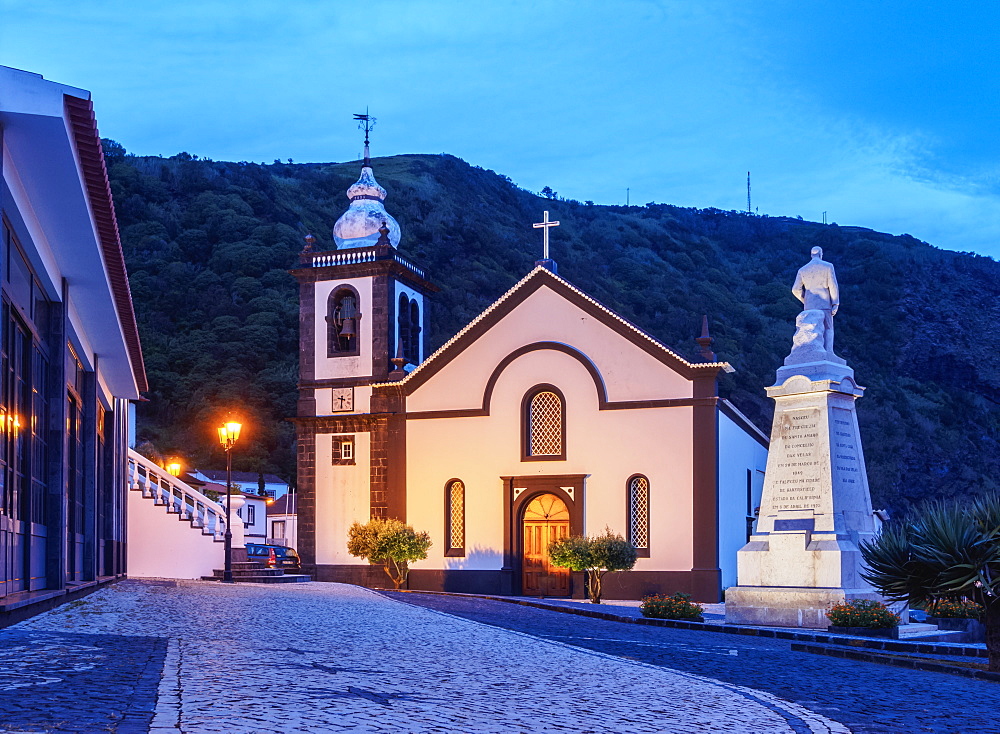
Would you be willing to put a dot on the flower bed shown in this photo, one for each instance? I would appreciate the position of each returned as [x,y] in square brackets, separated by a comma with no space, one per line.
[955,609]
[678,606]
[864,614]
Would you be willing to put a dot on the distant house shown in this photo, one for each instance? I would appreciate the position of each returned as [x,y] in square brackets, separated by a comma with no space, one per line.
[248,481]
[282,521]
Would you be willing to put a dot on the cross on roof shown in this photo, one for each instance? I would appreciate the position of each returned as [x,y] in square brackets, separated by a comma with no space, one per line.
[545,224]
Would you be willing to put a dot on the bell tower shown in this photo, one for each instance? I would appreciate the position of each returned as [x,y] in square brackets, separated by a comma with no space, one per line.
[363,309]
[362,322]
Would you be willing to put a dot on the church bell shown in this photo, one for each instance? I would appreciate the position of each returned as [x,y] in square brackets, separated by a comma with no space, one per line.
[349,330]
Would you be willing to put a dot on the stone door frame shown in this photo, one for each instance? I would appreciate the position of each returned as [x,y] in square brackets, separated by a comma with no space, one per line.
[518,492]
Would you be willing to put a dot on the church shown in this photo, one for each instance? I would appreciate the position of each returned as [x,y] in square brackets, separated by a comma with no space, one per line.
[548,415]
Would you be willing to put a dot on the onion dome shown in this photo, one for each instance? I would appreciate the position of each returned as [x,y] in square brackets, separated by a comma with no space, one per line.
[359,225]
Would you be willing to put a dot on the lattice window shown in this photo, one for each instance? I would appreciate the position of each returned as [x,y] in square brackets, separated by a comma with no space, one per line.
[545,425]
[638,511]
[456,514]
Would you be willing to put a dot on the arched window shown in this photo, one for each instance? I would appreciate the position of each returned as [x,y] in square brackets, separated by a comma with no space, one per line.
[544,424]
[413,351]
[343,322]
[454,507]
[638,513]
[403,325]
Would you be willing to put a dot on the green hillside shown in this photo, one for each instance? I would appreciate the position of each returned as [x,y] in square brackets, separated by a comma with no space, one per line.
[208,245]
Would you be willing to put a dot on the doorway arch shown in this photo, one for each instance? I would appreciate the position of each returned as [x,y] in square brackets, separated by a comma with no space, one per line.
[545,518]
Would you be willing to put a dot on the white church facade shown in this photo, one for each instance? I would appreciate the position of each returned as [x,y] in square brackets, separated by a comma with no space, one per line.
[548,415]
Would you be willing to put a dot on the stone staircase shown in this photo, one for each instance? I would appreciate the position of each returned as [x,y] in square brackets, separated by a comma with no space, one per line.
[173,530]
[257,572]
[176,497]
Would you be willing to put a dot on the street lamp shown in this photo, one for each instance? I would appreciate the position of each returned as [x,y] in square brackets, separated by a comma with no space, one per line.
[229,434]
[174,468]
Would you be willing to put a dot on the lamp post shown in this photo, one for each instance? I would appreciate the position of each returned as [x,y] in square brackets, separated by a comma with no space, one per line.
[229,434]
[174,468]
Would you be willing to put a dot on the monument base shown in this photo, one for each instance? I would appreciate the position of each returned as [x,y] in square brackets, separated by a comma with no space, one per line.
[788,606]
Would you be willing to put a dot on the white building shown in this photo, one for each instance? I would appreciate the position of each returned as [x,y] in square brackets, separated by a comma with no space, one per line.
[69,352]
[547,415]
[283,521]
[274,486]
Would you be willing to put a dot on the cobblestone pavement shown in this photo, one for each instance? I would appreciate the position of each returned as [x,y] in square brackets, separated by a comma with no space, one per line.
[866,697]
[334,658]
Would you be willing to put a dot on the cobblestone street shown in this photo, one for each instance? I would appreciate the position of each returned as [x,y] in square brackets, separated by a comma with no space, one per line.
[199,657]
[866,697]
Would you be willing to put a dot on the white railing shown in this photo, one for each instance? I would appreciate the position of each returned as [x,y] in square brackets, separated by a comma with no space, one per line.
[359,255]
[179,498]
[344,257]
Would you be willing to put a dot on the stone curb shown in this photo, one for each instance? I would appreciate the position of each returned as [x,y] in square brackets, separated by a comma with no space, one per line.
[870,643]
[872,657]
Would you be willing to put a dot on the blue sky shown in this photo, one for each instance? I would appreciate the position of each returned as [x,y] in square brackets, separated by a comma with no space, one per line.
[883,115]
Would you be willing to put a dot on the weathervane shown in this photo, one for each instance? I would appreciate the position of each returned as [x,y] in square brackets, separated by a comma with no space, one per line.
[365,122]
[545,224]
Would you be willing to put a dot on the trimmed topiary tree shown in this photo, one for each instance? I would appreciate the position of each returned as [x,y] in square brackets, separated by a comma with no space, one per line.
[390,542]
[595,556]
[946,550]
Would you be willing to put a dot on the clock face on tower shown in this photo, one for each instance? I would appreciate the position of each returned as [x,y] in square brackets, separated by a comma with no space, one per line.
[342,399]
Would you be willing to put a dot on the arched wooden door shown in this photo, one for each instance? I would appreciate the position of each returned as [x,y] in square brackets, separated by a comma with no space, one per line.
[546,518]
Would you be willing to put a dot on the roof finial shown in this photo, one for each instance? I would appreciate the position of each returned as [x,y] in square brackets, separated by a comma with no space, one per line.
[366,122]
[398,363]
[705,342]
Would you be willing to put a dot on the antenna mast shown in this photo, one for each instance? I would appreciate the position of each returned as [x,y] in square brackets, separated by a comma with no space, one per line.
[749,210]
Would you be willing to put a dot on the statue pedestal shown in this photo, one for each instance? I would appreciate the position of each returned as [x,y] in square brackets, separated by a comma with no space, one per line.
[815,508]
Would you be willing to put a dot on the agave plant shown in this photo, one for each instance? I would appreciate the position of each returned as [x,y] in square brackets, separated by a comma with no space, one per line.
[943,550]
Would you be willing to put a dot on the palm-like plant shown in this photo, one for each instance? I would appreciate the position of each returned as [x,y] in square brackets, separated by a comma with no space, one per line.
[944,550]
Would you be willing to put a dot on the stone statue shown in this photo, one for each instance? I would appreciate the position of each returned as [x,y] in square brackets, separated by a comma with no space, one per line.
[816,287]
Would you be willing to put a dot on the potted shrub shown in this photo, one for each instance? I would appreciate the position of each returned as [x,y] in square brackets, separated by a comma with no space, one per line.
[678,606]
[962,615]
[863,617]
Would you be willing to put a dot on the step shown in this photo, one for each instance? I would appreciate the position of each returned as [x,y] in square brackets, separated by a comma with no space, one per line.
[919,630]
[297,578]
[244,572]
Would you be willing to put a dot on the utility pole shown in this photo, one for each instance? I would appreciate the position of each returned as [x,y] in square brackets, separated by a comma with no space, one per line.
[749,210]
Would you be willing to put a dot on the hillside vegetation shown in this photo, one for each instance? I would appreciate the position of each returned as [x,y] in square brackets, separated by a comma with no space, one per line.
[208,245]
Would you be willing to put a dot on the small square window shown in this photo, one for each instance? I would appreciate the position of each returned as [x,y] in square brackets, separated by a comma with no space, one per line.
[343,450]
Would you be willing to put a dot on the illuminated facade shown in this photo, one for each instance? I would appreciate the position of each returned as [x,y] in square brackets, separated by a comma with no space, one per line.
[548,415]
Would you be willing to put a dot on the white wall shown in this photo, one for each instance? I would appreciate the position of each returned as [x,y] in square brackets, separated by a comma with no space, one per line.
[162,546]
[343,495]
[739,453]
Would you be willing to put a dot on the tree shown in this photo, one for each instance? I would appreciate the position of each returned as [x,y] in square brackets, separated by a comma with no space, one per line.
[390,542]
[945,550]
[595,556]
